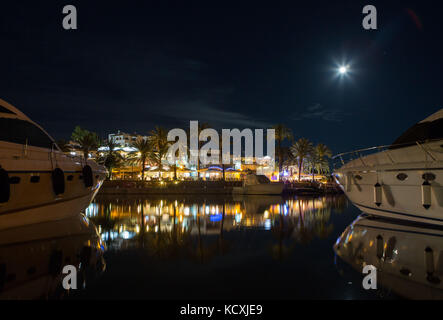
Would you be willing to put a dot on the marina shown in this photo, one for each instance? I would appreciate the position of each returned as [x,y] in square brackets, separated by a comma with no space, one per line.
[217,160]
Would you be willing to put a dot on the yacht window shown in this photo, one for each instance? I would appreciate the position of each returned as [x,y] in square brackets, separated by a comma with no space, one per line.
[431,130]
[20,131]
[14,180]
[428,176]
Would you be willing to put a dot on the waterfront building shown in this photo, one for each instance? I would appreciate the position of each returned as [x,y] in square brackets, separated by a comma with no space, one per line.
[123,139]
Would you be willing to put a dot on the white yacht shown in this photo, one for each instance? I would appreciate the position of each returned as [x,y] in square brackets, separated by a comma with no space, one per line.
[38,182]
[403,180]
[258,184]
[408,256]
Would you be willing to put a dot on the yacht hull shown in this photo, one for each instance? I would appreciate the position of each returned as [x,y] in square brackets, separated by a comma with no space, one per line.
[31,186]
[401,184]
[396,200]
[44,212]
[420,215]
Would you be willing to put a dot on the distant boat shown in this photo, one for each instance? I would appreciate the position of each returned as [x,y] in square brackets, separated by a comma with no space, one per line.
[258,184]
[403,180]
[407,255]
[38,182]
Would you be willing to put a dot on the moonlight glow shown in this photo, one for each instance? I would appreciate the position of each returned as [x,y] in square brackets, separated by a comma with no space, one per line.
[343,70]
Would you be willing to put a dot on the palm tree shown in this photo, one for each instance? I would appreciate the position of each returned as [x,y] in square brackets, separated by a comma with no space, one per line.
[174,167]
[319,159]
[301,150]
[88,140]
[281,133]
[323,151]
[112,158]
[159,142]
[144,148]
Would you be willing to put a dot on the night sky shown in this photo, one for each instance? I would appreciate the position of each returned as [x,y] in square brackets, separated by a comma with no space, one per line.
[132,65]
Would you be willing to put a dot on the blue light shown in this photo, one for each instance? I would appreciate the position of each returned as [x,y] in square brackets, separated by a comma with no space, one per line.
[216,217]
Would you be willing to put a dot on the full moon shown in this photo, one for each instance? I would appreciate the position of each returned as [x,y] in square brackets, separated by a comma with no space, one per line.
[343,70]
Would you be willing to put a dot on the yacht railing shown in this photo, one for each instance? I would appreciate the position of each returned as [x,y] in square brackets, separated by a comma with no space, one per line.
[343,158]
[53,154]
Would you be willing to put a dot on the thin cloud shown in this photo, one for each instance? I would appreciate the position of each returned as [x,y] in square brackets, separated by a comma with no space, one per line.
[319,112]
[215,117]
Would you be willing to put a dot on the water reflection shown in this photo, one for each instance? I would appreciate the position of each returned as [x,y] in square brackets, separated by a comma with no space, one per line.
[408,257]
[196,227]
[32,257]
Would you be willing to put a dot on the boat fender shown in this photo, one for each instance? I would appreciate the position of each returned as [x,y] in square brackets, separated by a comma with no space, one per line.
[5,188]
[58,181]
[380,246]
[429,260]
[430,269]
[426,195]
[377,194]
[88,178]
[390,247]
[85,256]
[2,276]
[55,263]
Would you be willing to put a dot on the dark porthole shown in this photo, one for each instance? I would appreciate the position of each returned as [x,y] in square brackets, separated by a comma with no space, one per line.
[70,177]
[402,176]
[35,179]
[428,176]
[14,180]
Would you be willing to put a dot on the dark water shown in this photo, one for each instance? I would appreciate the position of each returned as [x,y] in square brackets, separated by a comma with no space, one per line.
[223,247]
[215,247]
